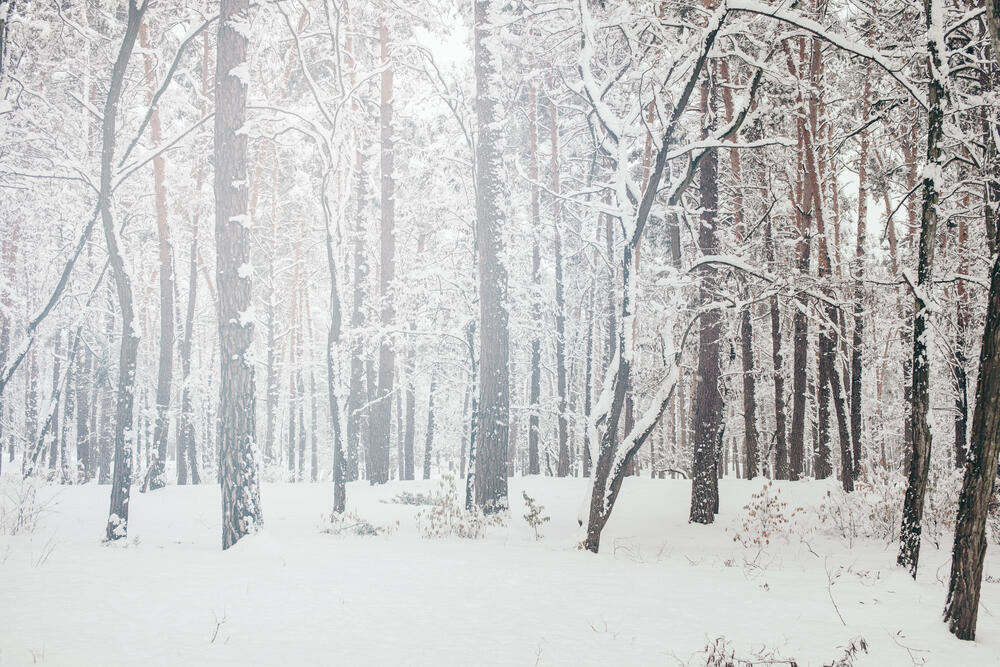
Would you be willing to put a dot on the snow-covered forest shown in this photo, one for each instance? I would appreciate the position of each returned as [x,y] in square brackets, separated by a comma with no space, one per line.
[529,332]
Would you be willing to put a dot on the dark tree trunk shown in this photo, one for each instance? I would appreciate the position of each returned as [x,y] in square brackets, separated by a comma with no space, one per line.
[494,385]
[961,344]
[857,342]
[588,385]
[777,361]
[708,404]
[962,606]
[916,488]
[241,509]
[121,483]
[562,468]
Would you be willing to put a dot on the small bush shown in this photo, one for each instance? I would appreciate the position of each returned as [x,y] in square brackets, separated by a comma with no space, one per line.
[20,507]
[447,517]
[873,509]
[765,518]
[534,515]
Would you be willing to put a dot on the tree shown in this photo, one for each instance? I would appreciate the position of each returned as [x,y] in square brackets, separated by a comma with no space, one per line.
[238,474]
[382,410]
[494,382]
[121,483]
[916,488]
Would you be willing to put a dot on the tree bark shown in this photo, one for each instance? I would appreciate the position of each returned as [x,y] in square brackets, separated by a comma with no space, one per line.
[777,361]
[382,410]
[429,435]
[562,467]
[916,488]
[494,385]
[155,476]
[962,606]
[238,474]
[121,482]
[535,383]
[708,404]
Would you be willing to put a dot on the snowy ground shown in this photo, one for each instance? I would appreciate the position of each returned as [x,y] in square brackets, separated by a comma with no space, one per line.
[657,594]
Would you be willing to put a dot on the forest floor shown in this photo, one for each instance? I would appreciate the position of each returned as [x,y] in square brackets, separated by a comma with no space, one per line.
[660,592]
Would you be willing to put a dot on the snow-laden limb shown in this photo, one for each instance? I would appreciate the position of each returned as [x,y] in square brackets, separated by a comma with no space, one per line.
[827,35]
[742,265]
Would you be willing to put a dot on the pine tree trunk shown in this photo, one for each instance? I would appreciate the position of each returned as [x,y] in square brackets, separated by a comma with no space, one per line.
[409,426]
[916,488]
[84,437]
[187,452]
[238,473]
[494,386]
[962,606]
[857,341]
[121,482]
[777,361]
[382,410]
[562,468]
[535,383]
[155,477]
[708,406]
[429,435]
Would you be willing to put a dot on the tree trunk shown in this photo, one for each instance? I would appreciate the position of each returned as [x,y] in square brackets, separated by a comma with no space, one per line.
[155,476]
[187,450]
[535,384]
[121,483]
[916,488]
[429,435]
[708,404]
[382,410]
[409,426]
[961,344]
[857,342]
[962,606]
[562,468]
[494,385]
[777,361]
[241,509]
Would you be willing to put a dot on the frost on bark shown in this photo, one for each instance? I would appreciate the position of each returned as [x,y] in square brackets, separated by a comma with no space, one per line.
[916,488]
[238,474]
[492,430]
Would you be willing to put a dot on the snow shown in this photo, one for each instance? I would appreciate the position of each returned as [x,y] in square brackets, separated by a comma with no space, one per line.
[241,72]
[659,591]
